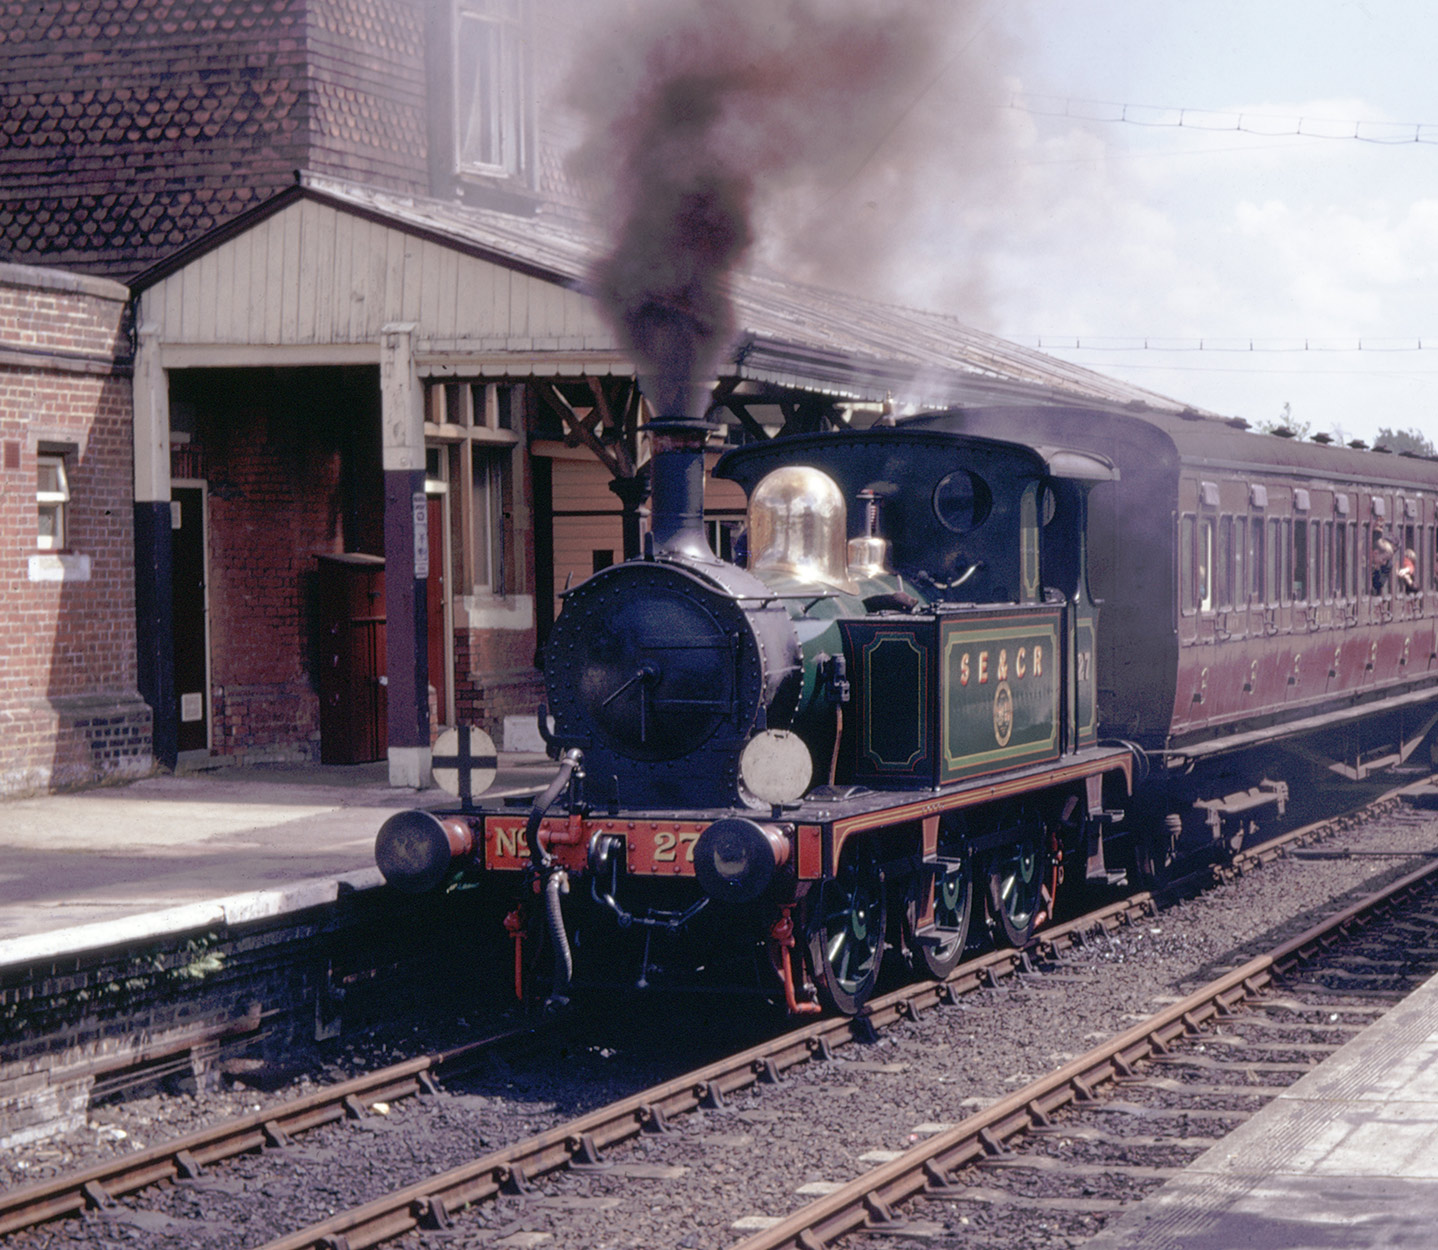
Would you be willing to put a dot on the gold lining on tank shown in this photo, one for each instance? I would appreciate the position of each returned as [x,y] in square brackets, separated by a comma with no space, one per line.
[798,525]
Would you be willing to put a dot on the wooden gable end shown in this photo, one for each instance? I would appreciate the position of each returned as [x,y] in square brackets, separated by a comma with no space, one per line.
[314,275]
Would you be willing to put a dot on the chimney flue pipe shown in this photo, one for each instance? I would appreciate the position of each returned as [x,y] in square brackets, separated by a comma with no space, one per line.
[676,520]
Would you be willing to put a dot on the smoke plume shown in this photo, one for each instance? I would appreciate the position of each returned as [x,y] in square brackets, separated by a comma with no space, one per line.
[800,134]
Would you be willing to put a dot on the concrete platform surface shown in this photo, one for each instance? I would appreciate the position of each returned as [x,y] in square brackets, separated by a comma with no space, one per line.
[1345,1159]
[160,854]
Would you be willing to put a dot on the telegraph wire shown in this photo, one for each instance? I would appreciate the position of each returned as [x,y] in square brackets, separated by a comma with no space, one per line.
[1127,366]
[1253,346]
[1264,125]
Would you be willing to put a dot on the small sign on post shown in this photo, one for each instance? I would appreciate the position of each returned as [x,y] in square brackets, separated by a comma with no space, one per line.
[421,534]
[464,763]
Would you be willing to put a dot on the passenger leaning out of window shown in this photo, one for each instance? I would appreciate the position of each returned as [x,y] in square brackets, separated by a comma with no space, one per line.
[1381,563]
[1407,575]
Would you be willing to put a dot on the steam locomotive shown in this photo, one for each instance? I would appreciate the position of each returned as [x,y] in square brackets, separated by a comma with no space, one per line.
[975,660]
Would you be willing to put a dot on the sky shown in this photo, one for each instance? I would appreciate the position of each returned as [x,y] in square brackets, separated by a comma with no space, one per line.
[1116,233]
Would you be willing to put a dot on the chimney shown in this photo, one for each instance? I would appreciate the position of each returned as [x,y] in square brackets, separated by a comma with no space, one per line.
[676,486]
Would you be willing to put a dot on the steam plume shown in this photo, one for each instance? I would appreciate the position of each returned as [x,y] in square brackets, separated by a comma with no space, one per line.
[804,127]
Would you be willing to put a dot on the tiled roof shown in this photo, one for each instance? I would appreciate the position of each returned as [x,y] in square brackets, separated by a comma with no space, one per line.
[115,232]
[129,129]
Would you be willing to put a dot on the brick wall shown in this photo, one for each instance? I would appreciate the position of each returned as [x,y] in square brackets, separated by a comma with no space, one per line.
[495,677]
[69,710]
[287,457]
[274,515]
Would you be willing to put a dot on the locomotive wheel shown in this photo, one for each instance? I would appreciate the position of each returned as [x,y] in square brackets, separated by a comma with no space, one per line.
[1016,882]
[846,935]
[953,893]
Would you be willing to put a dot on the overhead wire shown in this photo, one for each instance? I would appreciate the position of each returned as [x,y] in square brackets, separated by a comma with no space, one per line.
[1263,125]
[1155,343]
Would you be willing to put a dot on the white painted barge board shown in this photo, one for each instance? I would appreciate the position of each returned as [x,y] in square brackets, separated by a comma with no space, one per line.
[314,274]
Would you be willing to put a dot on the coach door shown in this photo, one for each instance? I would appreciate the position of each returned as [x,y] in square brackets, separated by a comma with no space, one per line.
[190,615]
[1256,566]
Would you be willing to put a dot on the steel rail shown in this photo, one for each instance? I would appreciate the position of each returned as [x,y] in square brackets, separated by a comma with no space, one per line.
[867,1202]
[183,1157]
[429,1202]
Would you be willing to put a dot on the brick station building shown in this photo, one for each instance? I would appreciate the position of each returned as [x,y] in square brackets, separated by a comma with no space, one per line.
[335,446]
[70,711]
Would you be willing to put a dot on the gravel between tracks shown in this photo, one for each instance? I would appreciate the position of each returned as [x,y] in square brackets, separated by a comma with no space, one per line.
[750,1158]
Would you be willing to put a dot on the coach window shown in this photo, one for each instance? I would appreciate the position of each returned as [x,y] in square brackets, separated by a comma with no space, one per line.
[1205,564]
[1273,560]
[1256,560]
[1298,565]
[1225,585]
[1240,561]
[52,496]
[1330,564]
[1186,596]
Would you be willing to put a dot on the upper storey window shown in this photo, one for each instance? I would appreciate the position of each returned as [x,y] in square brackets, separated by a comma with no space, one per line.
[493,94]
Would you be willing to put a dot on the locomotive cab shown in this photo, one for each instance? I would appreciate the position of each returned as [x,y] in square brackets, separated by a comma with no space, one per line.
[976,652]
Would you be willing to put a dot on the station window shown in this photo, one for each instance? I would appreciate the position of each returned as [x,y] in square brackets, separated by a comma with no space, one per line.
[491,473]
[493,105]
[52,497]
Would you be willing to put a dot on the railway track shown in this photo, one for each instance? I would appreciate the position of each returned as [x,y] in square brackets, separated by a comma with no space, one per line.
[960,1164]
[578,1144]
[184,1158]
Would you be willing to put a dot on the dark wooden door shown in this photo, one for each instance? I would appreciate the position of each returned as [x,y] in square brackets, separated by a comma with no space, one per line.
[353,698]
